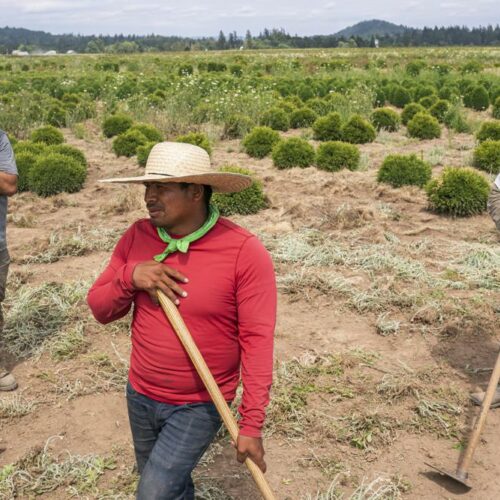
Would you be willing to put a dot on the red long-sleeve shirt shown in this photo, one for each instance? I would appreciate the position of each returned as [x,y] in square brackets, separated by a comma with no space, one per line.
[230,311]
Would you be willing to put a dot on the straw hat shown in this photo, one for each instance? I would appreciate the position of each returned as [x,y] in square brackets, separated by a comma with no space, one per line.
[181,162]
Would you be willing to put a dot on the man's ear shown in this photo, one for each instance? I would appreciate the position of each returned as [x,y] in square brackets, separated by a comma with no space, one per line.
[197,191]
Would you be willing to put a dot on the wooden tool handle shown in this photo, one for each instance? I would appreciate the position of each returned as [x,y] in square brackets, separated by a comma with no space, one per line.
[464,463]
[187,341]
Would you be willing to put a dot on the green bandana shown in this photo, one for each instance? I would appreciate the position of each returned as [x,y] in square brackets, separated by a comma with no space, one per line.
[182,244]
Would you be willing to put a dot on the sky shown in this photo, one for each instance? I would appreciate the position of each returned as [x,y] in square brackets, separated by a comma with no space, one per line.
[206,17]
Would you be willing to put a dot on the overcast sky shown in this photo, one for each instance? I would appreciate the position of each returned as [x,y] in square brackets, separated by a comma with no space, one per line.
[202,18]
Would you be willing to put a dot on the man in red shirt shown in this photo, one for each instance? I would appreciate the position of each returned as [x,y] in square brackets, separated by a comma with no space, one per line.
[222,279]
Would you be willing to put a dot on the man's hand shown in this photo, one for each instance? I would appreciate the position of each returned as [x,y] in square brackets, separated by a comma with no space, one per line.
[152,276]
[8,184]
[250,447]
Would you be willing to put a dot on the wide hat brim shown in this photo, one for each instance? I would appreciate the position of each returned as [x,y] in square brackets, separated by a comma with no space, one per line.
[221,182]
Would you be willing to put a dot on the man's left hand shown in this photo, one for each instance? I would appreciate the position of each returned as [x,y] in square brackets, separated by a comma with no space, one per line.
[250,447]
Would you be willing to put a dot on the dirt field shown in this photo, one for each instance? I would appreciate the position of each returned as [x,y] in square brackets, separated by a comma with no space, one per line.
[388,316]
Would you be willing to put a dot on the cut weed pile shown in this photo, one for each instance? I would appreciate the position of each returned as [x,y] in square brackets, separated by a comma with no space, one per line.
[36,314]
[40,472]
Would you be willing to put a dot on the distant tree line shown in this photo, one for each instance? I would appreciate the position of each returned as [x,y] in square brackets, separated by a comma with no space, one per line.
[32,41]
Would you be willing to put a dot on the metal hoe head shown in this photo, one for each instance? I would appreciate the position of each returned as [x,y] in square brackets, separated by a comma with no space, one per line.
[461,477]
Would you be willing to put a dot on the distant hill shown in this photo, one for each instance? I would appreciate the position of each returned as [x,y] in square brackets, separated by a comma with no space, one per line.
[365,29]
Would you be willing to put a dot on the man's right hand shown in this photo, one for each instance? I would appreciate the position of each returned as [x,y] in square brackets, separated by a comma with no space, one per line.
[152,276]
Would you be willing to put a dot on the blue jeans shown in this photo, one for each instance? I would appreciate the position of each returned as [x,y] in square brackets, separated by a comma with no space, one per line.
[169,440]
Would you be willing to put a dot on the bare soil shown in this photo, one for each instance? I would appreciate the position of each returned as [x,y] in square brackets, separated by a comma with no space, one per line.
[308,322]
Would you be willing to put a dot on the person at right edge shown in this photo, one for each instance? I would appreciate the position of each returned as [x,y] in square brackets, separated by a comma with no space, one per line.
[494,211]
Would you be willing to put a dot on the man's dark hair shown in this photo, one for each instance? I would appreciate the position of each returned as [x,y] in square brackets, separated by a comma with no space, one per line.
[207,192]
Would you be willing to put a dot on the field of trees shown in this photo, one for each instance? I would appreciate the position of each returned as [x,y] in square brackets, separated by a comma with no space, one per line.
[372,169]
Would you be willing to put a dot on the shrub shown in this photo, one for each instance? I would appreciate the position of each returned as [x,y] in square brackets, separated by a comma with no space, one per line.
[489,130]
[116,125]
[48,135]
[198,139]
[336,155]
[495,111]
[142,153]
[56,116]
[399,96]
[401,170]
[424,91]
[126,144]
[35,148]
[428,100]
[358,131]
[487,156]
[260,141]
[275,118]
[25,162]
[151,133]
[424,126]
[459,192]
[455,119]
[477,98]
[321,106]
[410,110]
[293,152]
[328,128]
[385,119]
[439,109]
[55,173]
[413,68]
[303,117]
[185,69]
[287,107]
[67,150]
[449,92]
[237,125]
[248,201]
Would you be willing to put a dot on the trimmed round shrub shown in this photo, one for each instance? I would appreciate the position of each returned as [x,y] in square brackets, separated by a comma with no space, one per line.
[237,126]
[116,125]
[275,118]
[287,107]
[422,91]
[385,119]
[25,162]
[410,110]
[328,128]
[358,131]
[303,117]
[449,92]
[293,152]
[321,106]
[151,133]
[404,170]
[198,139]
[489,130]
[35,148]
[336,155]
[439,109]
[48,135]
[399,96]
[259,141]
[248,201]
[126,144]
[67,150]
[428,101]
[55,173]
[143,153]
[495,110]
[487,156]
[424,126]
[477,98]
[459,192]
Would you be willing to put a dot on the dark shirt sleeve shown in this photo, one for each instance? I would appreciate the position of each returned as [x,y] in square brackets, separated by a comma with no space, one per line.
[7,158]
[256,301]
[111,296]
